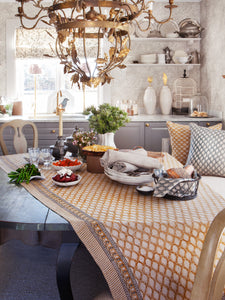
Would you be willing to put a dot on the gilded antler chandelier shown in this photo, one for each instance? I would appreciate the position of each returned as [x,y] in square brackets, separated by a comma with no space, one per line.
[79,21]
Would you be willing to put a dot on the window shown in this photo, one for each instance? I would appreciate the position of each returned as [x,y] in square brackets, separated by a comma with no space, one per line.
[30,47]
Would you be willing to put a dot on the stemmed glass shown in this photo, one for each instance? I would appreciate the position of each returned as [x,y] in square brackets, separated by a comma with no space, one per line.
[46,155]
[34,155]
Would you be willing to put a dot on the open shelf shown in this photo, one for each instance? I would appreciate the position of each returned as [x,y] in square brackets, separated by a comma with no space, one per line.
[165,39]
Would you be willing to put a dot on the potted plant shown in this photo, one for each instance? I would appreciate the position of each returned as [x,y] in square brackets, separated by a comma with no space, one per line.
[106,120]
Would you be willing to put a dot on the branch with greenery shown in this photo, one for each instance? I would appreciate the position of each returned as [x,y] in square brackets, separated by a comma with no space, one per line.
[106,118]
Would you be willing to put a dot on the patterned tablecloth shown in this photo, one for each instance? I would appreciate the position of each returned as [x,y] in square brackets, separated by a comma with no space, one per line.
[146,247]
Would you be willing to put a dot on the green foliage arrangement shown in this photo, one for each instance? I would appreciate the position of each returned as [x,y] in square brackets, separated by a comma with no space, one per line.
[106,118]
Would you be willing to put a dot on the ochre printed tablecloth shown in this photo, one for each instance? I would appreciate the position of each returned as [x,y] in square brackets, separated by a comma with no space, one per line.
[147,248]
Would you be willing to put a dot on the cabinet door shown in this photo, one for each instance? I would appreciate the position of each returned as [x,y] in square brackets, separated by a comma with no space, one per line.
[130,136]
[49,131]
[154,133]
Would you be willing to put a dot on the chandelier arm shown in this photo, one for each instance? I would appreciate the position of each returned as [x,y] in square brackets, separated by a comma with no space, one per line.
[30,28]
[21,12]
[141,29]
[161,22]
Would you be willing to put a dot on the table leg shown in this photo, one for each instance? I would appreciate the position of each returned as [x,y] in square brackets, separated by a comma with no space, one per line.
[64,260]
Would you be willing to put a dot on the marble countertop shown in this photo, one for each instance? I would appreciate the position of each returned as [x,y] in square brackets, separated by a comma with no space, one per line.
[137,118]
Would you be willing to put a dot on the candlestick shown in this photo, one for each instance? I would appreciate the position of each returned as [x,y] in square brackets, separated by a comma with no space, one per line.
[60,111]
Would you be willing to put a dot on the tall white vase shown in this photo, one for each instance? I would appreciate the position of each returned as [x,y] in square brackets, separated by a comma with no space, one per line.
[106,139]
[165,100]
[149,100]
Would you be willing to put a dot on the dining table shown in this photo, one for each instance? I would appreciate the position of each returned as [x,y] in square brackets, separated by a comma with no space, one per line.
[146,247]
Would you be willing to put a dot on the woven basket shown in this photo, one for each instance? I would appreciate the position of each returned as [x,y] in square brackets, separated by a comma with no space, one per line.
[183,190]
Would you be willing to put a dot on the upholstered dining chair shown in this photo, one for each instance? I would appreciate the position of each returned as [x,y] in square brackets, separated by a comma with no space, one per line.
[19,139]
[209,282]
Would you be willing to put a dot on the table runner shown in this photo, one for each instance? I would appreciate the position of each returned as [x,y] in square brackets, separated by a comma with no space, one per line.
[147,248]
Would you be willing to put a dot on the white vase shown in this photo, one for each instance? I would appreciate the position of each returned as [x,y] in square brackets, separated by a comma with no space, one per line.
[150,100]
[165,100]
[106,139]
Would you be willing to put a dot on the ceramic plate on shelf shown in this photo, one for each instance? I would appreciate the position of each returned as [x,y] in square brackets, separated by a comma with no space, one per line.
[167,28]
[70,183]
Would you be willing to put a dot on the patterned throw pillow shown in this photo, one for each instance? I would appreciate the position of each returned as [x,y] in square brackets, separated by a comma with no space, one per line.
[207,151]
[180,139]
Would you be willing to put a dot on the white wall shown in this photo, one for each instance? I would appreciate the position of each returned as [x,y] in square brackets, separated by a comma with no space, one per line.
[213,53]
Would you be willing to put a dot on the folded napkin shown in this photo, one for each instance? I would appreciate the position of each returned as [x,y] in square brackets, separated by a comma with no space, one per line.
[126,161]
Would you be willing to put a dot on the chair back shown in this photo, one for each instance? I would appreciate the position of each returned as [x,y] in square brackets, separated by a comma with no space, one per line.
[19,140]
[209,281]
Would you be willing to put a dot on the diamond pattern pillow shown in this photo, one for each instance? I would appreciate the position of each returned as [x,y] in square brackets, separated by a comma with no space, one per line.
[180,139]
[207,151]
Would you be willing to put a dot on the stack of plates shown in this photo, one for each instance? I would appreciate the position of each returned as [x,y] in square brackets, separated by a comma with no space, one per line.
[125,178]
[148,59]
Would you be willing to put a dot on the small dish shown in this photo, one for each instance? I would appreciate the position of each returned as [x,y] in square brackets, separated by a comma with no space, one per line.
[37,177]
[71,183]
[145,189]
[72,168]
[177,54]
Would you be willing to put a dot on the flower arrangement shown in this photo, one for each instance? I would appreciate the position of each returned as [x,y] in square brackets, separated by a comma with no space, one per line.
[106,118]
[83,138]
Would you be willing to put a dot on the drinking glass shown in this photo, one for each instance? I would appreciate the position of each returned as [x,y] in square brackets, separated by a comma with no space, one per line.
[34,155]
[46,155]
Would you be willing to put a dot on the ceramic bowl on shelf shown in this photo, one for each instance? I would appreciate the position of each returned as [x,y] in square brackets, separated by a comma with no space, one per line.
[148,58]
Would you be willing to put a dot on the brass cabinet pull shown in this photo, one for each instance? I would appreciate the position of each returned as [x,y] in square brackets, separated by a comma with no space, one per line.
[207,124]
[53,131]
[147,124]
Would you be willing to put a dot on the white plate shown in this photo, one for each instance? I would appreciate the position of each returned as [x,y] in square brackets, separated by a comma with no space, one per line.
[37,177]
[67,183]
[169,27]
[127,179]
[72,168]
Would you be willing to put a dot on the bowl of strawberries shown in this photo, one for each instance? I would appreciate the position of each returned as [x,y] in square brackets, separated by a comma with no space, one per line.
[66,177]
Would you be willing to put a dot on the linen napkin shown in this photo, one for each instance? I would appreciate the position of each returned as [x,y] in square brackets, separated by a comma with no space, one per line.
[126,161]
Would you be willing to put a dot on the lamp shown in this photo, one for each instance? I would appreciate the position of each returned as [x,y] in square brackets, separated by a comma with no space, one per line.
[83,24]
[35,70]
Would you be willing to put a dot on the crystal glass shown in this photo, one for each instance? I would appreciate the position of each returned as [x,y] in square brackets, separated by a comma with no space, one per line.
[46,155]
[34,155]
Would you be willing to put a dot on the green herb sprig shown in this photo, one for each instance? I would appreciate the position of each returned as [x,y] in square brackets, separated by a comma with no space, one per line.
[23,174]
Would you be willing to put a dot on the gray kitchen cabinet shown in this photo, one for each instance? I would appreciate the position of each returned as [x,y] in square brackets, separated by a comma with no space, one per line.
[154,133]
[130,136]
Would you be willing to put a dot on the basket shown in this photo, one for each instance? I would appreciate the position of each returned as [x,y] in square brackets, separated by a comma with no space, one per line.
[184,189]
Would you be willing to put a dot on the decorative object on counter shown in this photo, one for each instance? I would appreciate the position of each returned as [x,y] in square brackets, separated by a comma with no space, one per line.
[35,70]
[17,108]
[150,98]
[184,89]
[106,119]
[60,112]
[80,26]
[199,107]
[165,97]
[189,28]
[168,57]
[170,27]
